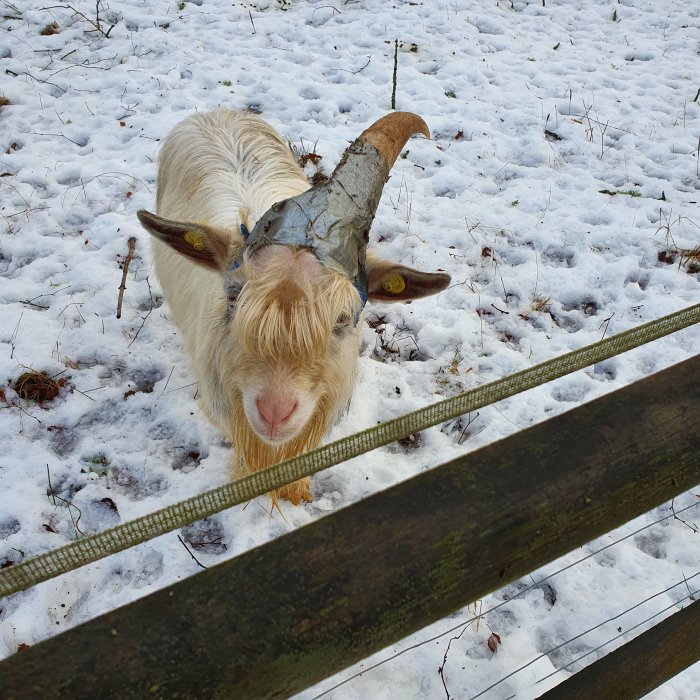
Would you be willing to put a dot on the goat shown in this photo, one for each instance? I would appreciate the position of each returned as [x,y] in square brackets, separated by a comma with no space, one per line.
[266,277]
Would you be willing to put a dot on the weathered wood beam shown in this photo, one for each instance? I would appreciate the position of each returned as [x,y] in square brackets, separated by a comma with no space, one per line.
[636,668]
[296,610]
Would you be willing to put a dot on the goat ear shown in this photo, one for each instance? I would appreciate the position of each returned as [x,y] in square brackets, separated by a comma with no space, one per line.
[202,244]
[389,281]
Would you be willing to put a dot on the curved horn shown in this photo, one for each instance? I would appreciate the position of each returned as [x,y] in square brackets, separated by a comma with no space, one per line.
[390,133]
[333,219]
[363,170]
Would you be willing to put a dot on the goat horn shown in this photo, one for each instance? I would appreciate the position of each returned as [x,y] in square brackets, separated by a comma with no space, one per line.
[365,165]
[390,133]
[334,219]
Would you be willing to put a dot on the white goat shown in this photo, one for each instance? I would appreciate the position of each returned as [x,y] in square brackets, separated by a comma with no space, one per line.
[266,278]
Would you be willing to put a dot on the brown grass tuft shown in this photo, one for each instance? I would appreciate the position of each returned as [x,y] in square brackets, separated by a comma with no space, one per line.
[38,386]
[690,257]
[50,29]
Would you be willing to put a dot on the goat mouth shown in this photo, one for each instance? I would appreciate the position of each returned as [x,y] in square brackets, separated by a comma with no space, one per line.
[275,437]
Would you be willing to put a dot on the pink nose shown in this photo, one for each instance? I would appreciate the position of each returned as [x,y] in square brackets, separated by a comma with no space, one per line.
[277,411]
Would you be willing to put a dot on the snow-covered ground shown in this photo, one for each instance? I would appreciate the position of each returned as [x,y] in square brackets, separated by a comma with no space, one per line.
[560,190]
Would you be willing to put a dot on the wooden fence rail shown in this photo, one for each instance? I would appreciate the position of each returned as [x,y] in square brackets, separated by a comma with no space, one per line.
[296,610]
[639,666]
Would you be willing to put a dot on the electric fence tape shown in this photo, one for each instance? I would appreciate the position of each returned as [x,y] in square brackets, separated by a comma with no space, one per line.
[84,551]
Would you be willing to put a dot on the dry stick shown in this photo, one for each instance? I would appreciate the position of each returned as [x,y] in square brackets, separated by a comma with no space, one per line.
[70,513]
[396,61]
[48,474]
[143,321]
[13,337]
[125,272]
[199,563]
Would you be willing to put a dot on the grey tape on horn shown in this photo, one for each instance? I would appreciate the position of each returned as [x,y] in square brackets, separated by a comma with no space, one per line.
[332,219]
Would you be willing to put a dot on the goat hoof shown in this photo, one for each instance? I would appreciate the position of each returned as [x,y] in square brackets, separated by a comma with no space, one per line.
[297,492]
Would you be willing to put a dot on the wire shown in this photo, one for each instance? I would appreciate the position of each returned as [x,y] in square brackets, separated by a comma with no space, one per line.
[622,634]
[583,634]
[502,603]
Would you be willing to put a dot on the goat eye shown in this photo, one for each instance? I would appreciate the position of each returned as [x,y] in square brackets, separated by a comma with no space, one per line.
[342,326]
[232,293]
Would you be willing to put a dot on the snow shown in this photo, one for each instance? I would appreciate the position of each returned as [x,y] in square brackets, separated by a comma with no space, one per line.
[542,262]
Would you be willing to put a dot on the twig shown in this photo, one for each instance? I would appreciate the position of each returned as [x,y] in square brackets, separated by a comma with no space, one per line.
[26,413]
[182,387]
[19,14]
[39,296]
[463,435]
[355,72]
[199,563]
[328,7]
[168,382]
[83,65]
[606,323]
[13,337]
[63,136]
[144,318]
[396,61]
[48,474]
[70,512]
[39,80]
[96,23]
[251,21]
[85,394]
[441,669]
[125,272]
[694,528]
[77,305]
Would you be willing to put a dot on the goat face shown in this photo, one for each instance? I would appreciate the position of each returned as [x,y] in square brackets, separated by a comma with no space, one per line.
[293,344]
[273,334]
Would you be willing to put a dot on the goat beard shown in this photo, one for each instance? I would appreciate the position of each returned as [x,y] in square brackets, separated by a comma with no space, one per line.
[253,454]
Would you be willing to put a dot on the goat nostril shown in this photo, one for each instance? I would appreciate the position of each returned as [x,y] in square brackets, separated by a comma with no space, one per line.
[276,412]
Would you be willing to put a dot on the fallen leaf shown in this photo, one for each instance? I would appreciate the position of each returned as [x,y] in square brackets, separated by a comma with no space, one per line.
[550,594]
[493,641]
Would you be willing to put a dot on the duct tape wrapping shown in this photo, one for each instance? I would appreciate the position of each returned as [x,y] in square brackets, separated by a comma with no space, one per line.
[332,219]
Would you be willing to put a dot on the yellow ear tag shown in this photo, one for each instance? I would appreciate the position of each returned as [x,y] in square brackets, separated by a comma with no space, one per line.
[394,284]
[195,239]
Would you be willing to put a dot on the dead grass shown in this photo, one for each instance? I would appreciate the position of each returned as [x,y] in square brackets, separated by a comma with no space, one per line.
[38,386]
[309,161]
[690,257]
[50,29]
